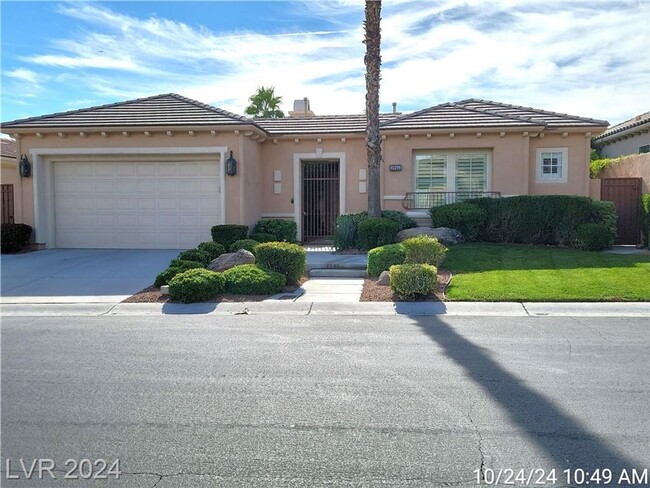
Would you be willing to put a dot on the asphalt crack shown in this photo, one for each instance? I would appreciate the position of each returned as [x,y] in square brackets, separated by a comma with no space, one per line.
[480,440]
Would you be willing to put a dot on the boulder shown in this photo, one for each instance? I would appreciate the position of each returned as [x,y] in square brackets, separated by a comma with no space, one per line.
[231,259]
[445,235]
[384,278]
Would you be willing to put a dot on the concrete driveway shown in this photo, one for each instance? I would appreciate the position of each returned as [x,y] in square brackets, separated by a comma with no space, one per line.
[79,275]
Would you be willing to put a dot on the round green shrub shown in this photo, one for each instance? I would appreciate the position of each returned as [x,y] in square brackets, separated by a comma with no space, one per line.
[14,236]
[465,217]
[248,244]
[595,237]
[263,237]
[228,233]
[176,266]
[196,285]
[382,258]
[214,249]
[346,234]
[424,250]
[411,280]
[283,230]
[283,257]
[251,279]
[400,218]
[195,255]
[376,231]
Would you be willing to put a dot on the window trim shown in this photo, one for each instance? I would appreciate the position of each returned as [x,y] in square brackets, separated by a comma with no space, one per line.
[565,164]
[451,156]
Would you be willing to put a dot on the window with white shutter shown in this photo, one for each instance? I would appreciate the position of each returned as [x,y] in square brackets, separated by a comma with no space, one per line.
[471,174]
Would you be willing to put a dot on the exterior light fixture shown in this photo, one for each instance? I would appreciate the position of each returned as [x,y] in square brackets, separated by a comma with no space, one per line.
[231,166]
[24,167]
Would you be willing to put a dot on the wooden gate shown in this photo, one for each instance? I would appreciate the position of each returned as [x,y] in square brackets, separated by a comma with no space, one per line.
[7,204]
[626,195]
[320,199]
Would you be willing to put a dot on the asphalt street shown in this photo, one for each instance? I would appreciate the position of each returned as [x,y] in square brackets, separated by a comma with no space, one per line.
[273,401]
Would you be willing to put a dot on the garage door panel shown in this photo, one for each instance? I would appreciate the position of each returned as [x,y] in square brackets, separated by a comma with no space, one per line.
[127,205]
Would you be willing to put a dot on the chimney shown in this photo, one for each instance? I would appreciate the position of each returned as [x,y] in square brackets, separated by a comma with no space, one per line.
[301,108]
[394,107]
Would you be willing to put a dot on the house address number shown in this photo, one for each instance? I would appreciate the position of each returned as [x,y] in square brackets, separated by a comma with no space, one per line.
[395,167]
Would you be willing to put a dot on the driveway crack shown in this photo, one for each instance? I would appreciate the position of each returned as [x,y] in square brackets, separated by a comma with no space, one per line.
[480,440]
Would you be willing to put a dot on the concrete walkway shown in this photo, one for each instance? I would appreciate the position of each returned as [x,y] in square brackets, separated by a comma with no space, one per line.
[340,290]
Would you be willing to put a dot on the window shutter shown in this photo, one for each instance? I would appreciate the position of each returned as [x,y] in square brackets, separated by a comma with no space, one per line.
[471,173]
[430,173]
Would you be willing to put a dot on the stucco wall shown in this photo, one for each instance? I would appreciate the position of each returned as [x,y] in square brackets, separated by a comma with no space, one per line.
[637,166]
[10,176]
[626,146]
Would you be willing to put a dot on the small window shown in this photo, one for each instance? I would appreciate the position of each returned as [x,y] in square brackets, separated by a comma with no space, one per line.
[644,149]
[551,165]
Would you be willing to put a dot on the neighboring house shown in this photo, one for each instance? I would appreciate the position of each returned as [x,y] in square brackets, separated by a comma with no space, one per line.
[10,183]
[629,137]
[153,172]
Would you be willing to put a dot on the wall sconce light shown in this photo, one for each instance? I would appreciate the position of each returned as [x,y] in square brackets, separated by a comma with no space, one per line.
[24,167]
[231,166]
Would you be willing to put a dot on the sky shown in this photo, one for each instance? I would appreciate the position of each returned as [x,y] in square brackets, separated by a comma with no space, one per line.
[583,57]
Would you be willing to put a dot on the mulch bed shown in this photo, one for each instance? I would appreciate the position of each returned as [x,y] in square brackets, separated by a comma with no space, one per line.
[372,292]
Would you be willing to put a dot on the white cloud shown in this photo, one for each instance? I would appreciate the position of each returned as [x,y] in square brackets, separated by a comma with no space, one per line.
[23,75]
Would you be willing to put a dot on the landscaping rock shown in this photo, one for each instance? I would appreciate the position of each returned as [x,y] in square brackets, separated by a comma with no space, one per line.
[231,259]
[445,235]
[384,279]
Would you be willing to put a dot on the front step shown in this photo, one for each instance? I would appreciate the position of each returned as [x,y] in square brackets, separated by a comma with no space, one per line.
[338,272]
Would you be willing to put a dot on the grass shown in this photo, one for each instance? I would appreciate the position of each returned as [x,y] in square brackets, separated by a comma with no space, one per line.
[511,272]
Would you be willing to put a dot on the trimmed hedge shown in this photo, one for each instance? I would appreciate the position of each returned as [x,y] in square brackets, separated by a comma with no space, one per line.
[400,218]
[645,218]
[283,230]
[347,227]
[411,280]
[195,255]
[283,257]
[382,258]
[177,266]
[196,285]
[214,249]
[228,233]
[595,237]
[376,231]
[424,250]
[466,218]
[14,236]
[251,279]
[262,237]
[248,244]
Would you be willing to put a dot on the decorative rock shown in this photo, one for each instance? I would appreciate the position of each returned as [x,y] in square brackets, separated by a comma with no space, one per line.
[231,259]
[384,278]
[164,290]
[445,235]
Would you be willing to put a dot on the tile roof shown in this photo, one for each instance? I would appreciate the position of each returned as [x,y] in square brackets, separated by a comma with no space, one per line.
[8,148]
[319,124]
[161,110]
[634,122]
[473,113]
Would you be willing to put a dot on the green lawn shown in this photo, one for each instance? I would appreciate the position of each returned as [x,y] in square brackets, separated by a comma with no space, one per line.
[512,272]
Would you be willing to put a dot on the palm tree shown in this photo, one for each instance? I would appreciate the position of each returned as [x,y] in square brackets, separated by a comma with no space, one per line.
[264,103]
[372,60]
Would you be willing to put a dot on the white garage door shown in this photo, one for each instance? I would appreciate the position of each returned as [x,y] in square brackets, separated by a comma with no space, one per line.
[151,205]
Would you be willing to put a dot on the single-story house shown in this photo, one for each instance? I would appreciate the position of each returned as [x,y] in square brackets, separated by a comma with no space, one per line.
[10,184]
[629,137]
[158,172]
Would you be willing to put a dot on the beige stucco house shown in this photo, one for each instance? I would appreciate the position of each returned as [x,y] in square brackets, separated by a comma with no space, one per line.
[153,172]
[629,137]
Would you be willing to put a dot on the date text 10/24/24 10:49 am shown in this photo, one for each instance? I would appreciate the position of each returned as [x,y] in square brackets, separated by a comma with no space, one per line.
[572,477]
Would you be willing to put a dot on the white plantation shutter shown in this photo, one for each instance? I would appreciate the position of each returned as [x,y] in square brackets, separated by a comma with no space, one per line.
[430,172]
[471,173]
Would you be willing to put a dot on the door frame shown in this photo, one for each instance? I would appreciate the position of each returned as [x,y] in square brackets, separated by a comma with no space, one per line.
[297,182]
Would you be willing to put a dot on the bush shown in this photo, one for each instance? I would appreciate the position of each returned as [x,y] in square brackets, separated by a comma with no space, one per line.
[424,250]
[248,244]
[346,234]
[195,255]
[14,236]
[262,237]
[645,217]
[177,266]
[382,258]
[595,237]
[229,233]
[283,230]
[284,258]
[251,279]
[376,231]
[195,285]
[410,280]
[400,218]
[214,249]
[466,218]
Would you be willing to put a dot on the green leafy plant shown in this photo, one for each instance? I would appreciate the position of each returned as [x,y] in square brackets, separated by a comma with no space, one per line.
[196,285]
[248,244]
[466,218]
[411,280]
[424,250]
[376,231]
[263,237]
[214,249]
[383,257]
[283,257]
[14,237]
[176,266]
[265,103]
[228,233]
[595,237]
[195,255]
[251,279]
[598,166]
[645,218]
[345,236]
[283,230]
[400,218]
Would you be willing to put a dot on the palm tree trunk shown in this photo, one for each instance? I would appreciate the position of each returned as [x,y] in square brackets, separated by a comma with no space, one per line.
[372,60]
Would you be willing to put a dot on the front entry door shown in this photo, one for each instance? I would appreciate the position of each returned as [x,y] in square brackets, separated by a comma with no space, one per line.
[626,195]
[320,199]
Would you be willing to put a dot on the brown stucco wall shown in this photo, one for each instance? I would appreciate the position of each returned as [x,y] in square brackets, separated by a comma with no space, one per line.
[10,176]
[634,166]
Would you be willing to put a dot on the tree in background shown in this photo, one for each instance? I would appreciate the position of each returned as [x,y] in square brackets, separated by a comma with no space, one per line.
[372,60]
[264,103]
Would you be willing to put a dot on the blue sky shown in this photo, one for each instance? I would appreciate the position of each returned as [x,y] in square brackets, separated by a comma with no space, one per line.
[585,57]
